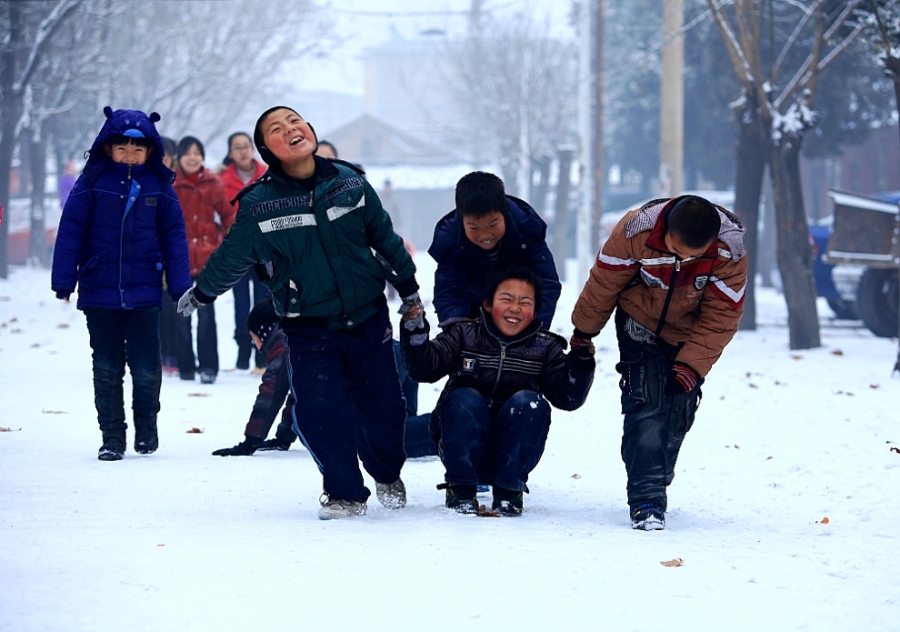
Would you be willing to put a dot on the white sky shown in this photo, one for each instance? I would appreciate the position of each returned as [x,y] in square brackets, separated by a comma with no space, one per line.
[362,23]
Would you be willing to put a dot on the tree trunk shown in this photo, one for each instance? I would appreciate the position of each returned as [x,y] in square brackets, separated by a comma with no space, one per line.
[37,155]
[538,195]
[795,255]
[561,212]
[750,160]
[9,116]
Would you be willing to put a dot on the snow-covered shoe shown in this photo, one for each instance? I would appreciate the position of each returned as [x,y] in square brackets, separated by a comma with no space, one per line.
[460,498]
[391,495]
[337,509]
[507,502]
[113,448]
[274,444]
[245,448]
[207,377]
[648,517]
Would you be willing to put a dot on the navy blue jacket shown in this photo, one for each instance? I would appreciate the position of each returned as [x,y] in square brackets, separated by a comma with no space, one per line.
[463,268]
[122,227]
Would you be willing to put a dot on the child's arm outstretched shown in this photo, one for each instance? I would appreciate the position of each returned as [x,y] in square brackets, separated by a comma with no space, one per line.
[567,378]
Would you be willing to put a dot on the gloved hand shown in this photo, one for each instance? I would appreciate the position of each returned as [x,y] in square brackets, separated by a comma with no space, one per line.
[412,312]
[581,357]
[63,295]
[682,379]
[188,303]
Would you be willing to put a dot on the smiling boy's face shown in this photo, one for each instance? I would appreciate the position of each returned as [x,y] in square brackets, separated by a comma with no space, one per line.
[289,138]
[487,231]
[128,154]
[512,309]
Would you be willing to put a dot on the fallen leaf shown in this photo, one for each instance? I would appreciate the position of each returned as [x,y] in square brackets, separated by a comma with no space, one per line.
[3,429]
[195,430]
[752,385]
[577,476]
[673,563]
[160,545]
[35,345]
[737,447]
[796,357]
[198,394]
[897,450]
[55,412]
[837,352]
[873,386]
[823,520]
[63,326]
[768,458]
[484,512]
[15,331]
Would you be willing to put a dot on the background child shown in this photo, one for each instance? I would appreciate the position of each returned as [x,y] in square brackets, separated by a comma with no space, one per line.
[265,332]
[120,230]
[487,231]
[493,415]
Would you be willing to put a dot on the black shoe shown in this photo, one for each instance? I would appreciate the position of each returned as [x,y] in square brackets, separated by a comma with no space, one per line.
[245,448]
[275,444]
[207,377]
[648,517]
[187,377]
[460,498]
[146,439]
[243,359]
[507,502]
[113,448]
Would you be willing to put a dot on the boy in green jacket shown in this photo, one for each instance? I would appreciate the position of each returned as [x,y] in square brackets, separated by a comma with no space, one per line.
[313,224]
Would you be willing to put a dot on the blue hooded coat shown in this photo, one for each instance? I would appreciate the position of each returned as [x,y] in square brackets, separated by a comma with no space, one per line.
[122,226]
[463,268]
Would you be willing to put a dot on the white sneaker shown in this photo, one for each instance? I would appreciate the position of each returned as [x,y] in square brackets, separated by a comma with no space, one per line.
[336,509]
[391,495]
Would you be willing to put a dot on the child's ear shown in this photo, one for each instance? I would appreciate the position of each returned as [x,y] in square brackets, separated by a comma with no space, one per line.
[107,148]
[487,306]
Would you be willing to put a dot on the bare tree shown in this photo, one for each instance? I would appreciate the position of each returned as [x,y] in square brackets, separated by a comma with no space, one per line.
[514,84]
[774,115]
[30,28]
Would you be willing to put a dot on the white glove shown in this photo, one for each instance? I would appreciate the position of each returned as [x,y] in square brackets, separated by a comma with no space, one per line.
[188,303]
[409,302]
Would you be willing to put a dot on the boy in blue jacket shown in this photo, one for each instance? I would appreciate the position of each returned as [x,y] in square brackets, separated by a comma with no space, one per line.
[487,231]
[120,231]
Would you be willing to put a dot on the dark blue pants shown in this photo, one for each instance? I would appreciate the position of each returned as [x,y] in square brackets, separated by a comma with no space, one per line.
[348,402]
[242,307]
[478,447]
[207,342]
[120,337]
[655,422]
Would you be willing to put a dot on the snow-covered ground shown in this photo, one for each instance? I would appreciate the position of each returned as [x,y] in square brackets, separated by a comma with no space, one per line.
[783,511]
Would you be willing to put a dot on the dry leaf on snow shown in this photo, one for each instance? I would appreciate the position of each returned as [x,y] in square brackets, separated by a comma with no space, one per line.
[195,430]
[837,352]
[897,450]
[824,520]
[673,563]
[576,476]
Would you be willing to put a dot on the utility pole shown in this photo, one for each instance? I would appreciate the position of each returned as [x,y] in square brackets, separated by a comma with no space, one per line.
[584,243]
[599,177]
[671,100]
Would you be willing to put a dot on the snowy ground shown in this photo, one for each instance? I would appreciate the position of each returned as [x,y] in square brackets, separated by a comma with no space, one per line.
[784,507]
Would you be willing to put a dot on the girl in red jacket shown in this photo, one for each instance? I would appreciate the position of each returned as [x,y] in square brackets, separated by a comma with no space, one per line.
[241,168]
[207,215]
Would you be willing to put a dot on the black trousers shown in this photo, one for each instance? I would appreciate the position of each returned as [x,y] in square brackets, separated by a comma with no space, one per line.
[655,422]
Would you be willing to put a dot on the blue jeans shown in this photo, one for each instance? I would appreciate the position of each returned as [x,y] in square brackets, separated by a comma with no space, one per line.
[493,448]
[655,422]
[120,337]
[348,402]
[242,307]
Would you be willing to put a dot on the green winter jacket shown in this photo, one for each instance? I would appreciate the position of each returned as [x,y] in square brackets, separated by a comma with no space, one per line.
[318,247]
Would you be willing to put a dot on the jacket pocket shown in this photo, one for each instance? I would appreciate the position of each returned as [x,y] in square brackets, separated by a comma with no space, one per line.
[91,266]
[632,383]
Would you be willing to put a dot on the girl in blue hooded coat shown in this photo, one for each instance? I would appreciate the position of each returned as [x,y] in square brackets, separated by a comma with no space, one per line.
[120,231]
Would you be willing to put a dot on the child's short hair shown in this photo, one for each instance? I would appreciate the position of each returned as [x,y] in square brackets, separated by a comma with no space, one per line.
[186,143]
[694,220]
[520,273]
[127,139]
[170,147]
[480,193]
[262,319]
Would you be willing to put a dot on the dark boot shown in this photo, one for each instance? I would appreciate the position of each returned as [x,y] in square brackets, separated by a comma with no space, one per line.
[460,498]
[113,448]
[146,439]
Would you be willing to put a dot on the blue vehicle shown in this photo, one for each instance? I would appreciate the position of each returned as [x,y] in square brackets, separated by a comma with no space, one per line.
[844,308]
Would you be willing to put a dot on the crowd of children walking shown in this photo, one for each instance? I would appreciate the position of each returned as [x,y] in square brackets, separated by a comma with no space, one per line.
[310,233]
